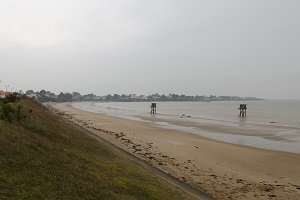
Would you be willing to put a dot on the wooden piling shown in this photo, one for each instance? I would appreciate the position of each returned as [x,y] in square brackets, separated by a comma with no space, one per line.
[243,110]
[153,108]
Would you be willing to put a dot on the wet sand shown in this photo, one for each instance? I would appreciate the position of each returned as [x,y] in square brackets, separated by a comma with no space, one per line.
[225,171]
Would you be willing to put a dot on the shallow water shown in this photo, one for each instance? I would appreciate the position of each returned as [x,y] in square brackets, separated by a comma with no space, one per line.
[270,124]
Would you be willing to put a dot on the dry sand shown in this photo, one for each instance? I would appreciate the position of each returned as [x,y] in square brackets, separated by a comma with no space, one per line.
[225,171]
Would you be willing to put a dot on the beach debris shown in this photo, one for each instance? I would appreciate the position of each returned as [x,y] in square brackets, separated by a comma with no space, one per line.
[239,180]
[268,188]
[185,116]
[214,176]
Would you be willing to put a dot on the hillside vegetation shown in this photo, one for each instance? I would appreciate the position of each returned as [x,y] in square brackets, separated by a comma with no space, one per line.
[44,157]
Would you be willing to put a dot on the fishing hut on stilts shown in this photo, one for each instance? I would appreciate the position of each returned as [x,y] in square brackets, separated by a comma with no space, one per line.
[243,110]
[153,108]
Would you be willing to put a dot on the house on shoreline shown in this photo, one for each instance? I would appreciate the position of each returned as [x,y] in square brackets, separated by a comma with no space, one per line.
[3,94]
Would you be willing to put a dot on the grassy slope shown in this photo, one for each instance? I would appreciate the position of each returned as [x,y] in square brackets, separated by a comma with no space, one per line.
[43,157]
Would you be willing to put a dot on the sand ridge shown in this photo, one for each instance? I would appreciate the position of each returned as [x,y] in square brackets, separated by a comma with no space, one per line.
[225,171]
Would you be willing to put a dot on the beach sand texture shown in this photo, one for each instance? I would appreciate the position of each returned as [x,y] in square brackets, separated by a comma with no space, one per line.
[225,171]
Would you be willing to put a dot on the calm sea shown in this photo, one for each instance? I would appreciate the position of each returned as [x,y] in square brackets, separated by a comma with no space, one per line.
[270,124]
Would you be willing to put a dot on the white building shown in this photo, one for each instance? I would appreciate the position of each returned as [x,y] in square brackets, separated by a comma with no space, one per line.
[142,97]
[132,96]
[33,96]
[2,94]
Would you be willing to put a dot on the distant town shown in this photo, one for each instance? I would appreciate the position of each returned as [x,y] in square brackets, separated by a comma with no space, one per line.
[46,96]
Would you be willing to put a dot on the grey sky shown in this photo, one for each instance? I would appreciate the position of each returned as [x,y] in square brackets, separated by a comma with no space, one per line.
[233,47]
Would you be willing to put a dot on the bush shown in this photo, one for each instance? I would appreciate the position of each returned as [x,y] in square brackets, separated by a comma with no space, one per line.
[12,97]
[10,112]
[10,109]
[18,112]
[6,112]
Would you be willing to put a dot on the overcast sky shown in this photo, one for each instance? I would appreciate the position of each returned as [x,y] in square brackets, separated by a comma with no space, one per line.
[233,47]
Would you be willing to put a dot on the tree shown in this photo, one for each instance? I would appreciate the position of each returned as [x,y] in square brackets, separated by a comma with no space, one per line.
[108,97]
[65,97]
[29,92]
[116,97]
[43,92]
[5,112]
[76,94]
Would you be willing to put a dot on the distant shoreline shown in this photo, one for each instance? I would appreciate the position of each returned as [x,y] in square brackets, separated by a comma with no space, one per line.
[46,96]
[105,101]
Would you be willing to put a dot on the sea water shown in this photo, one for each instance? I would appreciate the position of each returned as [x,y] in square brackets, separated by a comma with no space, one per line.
[270,124]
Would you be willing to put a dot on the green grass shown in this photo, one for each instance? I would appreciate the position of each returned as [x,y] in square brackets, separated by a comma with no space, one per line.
[44,157]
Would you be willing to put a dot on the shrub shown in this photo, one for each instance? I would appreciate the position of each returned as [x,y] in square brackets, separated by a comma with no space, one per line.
[12,97]
[10,112]
[6,112]
[18,112]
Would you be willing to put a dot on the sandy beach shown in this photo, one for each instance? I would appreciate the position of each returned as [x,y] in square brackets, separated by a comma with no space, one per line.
[223,170]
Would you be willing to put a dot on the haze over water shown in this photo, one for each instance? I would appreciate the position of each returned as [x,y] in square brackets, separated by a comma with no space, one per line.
[271,124]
